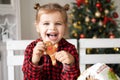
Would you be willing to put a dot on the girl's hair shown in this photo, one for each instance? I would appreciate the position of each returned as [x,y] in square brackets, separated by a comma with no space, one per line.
[49,8]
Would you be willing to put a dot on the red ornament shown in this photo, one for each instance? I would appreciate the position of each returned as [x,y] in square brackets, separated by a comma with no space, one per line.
[86,2]
[82,36]
[98,5]
[79,2]
[112,36]
[93,20]
[115,15]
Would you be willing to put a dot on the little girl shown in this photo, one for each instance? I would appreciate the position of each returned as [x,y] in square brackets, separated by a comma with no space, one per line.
[51,25]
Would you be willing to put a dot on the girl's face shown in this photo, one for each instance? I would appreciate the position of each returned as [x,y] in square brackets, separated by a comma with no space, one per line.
[51,27]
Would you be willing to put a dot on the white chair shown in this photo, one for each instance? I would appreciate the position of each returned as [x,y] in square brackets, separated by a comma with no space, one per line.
[100,58]
[12,59]
[17,60]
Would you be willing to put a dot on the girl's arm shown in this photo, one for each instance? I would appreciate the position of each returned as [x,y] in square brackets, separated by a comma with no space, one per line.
[71,72]
[30,71]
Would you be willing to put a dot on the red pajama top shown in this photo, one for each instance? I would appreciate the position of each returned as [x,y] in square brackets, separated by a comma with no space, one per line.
[45,70]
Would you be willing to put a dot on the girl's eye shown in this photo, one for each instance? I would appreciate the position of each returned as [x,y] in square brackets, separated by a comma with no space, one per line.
[46,24]
[58,23]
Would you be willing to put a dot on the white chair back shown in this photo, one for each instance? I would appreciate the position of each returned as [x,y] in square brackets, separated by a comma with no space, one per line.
[17,60]
[98,58]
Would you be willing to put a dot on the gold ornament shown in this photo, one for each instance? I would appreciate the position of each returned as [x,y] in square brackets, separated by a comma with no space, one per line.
[106,11]
[94,37]
[77,26]
[74,24]
[89,27]
[116,49]
[79,22]
[100,23]
[104,26]
[87,19]
[97,14]
[88,50]
[86,1]
[74,33]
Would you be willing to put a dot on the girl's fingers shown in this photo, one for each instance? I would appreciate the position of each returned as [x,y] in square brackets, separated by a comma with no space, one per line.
[64,57]
[39,49]
[58,55]
[40,46]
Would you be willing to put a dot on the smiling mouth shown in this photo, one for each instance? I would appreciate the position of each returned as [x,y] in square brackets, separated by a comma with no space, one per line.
[52,37]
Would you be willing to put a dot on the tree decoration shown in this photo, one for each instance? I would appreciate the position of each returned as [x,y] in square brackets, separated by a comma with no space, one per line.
[100,23]
[86,1]
[95,19]
[108,19]
[87,19]
[88,50]
[82,36]
[98,5]
[106,11]
[89,27]
[115,15]
[74,33]
[116,49]
[79,2]
[112,36]
[77,26]
[97,14]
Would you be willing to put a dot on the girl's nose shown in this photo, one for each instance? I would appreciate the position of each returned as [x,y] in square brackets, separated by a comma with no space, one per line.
[52,27]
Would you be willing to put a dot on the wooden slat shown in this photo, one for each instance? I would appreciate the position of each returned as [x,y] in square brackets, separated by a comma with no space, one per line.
[15,60]
[100,58]
[17,44]
[22,44]
[99,43]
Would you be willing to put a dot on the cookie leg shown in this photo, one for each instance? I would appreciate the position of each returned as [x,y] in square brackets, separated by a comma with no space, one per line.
[53,59]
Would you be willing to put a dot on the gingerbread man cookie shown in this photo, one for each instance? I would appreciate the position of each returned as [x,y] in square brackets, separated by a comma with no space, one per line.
[50,50]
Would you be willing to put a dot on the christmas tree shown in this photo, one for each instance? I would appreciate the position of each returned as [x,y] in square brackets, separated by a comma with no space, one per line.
[95,19]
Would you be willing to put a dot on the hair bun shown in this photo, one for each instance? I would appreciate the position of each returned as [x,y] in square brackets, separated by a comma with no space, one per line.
[37,6]
[66,7]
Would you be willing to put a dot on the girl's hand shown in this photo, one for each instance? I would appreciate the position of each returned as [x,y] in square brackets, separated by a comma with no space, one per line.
[38,52]
[64,57]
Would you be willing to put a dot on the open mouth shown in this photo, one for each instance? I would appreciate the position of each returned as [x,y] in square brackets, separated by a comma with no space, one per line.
[52,36]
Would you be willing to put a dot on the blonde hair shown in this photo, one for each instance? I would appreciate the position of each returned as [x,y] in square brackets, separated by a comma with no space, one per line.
[50,8]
